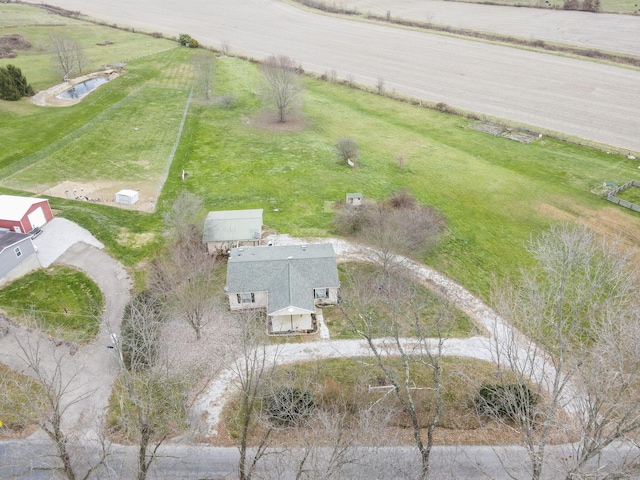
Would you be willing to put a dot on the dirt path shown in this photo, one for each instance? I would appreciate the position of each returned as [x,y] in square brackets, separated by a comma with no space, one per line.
[575,97]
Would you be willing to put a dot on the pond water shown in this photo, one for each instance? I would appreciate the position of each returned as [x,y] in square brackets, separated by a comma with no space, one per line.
[81,89]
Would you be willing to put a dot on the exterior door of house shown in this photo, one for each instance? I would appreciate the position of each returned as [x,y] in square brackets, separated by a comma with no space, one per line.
[17,229]
[37,218]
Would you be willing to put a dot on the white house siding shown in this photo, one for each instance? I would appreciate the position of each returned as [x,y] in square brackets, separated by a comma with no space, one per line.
[291,323]
[332,299]
[260,301]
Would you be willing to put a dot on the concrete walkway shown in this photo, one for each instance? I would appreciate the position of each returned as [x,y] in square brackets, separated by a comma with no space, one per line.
[87,372]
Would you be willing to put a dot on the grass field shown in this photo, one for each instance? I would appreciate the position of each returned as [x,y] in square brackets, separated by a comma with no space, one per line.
[494,192]
[72,313]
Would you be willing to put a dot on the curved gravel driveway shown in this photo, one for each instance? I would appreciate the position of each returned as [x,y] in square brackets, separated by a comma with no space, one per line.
[91,369]
[502,338]
[575,97]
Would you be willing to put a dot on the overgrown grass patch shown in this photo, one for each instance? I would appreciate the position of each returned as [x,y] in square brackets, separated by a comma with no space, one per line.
[160,401]
[19,393]
[631,194]
[357,384]
[351,272]
[58,300]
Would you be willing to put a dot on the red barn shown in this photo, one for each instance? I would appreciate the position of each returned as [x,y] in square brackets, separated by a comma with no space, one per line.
[23,214]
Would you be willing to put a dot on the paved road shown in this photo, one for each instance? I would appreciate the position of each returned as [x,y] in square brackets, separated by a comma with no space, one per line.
[24,460]
[608,32]
[579,98]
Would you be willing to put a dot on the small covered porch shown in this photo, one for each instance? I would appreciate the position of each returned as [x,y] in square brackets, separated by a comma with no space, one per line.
[292,320]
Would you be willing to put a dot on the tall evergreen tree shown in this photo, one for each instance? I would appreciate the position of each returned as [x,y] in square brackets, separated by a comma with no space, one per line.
[13,84]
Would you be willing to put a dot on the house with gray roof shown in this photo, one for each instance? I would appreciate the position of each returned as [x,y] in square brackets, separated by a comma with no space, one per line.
[291,282]
[227,229]
[17,256]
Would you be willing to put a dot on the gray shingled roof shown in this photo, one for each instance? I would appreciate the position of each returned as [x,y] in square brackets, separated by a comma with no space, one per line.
[288,273]
[233,225]
[8,239]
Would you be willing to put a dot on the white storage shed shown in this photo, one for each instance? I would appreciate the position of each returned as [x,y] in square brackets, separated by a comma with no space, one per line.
[127,197]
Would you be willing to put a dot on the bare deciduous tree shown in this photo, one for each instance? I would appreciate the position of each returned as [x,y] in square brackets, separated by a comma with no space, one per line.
[185,217]
[149,397]
[347,149]
[282,86]
[67,54]
[183,276]
[253,369]
[392,228]
[383,309]
[578,305]
[49,406]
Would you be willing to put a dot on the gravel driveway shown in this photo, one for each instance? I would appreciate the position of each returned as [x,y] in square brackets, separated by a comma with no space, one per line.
[58,236]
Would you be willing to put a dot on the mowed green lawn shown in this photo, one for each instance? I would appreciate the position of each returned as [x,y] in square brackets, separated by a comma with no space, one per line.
[494,192]
[59,300]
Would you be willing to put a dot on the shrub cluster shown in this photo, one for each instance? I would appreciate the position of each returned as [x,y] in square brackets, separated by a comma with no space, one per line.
[186,40]
[585,5]
[512,400]
[139,332]
[347,149]
[289,406]
[328,7]
[13,84]
[400,220]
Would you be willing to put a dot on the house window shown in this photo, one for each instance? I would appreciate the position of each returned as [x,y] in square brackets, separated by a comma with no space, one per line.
[18,251]
[246,298]
[321,292]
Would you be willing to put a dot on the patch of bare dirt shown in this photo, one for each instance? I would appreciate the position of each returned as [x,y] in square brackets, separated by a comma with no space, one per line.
[522,136]
[612,221]
[268,122]
[134,240]
[104,191]
[11,42]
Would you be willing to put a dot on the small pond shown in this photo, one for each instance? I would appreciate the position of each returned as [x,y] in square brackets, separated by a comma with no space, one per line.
[81,89]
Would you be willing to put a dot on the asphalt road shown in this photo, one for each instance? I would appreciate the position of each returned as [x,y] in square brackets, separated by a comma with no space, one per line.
[579,98]
[608,32]
[30,460]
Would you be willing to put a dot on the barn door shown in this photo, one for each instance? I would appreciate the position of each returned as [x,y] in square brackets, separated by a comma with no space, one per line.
[37,218]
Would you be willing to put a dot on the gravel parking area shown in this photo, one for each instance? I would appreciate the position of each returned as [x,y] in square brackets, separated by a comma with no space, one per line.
[59,235]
